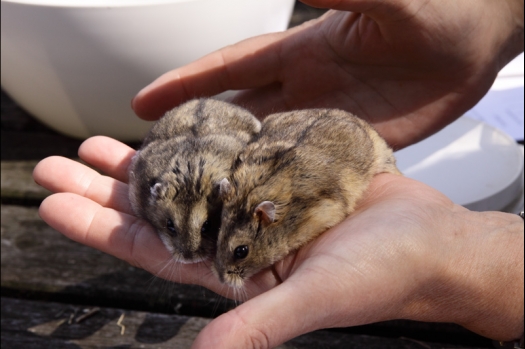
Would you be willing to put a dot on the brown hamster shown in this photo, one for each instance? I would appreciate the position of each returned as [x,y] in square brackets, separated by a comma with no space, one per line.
[302,174]
[174,177]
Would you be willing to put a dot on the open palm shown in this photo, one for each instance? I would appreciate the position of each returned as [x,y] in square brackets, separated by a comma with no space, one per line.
[378,264]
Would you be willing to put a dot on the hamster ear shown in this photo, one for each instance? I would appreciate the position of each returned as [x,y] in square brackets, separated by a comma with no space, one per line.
[225,189]
[158,190]
[266,211]
[242,157]
[238,161]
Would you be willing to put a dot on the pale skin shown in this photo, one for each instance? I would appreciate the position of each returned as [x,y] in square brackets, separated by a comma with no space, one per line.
[409,67]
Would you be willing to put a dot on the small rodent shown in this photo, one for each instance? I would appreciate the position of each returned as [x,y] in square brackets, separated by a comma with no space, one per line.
[174,177]
[302,174]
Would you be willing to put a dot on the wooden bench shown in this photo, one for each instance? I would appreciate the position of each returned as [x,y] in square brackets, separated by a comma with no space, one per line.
[57,293]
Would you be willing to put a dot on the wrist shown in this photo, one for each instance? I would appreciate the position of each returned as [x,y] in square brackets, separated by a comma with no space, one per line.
[517,343]
[479,281]
[487,275]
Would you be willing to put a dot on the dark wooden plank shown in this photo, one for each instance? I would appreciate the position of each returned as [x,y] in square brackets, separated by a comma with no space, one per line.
[33,324]
[37,261]
[14,118]
[17,184]
[25,138]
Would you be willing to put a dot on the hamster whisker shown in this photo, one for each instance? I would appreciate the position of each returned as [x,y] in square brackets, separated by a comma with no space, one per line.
[240,295]
[164,281]
[207,264]
[207,272]
[234,291]
[220,299]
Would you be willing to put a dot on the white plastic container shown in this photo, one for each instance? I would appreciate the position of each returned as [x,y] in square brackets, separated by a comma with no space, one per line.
[76,64]
[474,164]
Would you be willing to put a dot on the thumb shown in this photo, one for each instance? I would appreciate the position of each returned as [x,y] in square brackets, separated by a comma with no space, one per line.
[265,321]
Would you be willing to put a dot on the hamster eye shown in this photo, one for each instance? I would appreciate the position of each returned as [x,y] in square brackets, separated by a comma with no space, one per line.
[240,252]
[205,227]
[171,226]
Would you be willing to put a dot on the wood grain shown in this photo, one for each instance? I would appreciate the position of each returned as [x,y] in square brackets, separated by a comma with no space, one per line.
[34,324]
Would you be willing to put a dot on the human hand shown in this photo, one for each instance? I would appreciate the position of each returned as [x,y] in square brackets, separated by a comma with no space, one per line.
[408,67]
[407,252]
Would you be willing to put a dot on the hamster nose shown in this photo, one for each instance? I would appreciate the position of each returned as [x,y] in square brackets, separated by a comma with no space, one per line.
[187,255]
[190,247]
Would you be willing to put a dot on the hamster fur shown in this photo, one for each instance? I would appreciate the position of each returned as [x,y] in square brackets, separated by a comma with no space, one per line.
[174,177]
[303,173]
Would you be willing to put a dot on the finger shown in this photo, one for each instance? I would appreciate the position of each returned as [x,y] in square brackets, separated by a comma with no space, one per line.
[262,101]
[107,154]
[265,321]
[87,222]
[116,233]
[248,64]
[59,174]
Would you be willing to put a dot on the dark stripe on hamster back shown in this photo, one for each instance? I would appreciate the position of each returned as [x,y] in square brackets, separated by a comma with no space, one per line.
[197,118]
[198,182]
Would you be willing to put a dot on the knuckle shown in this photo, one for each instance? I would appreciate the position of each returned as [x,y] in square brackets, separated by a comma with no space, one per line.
[136,228]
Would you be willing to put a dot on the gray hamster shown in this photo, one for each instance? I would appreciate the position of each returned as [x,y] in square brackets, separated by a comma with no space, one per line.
[303,173]
[174,177]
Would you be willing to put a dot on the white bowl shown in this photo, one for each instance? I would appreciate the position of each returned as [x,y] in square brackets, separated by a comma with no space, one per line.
[474,164]
[76,64]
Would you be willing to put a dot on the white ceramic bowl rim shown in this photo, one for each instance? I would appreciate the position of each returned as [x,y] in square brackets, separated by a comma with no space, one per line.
[94,3]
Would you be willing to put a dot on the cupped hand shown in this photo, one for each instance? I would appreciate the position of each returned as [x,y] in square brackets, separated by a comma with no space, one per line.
[408,67]
[407,252]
